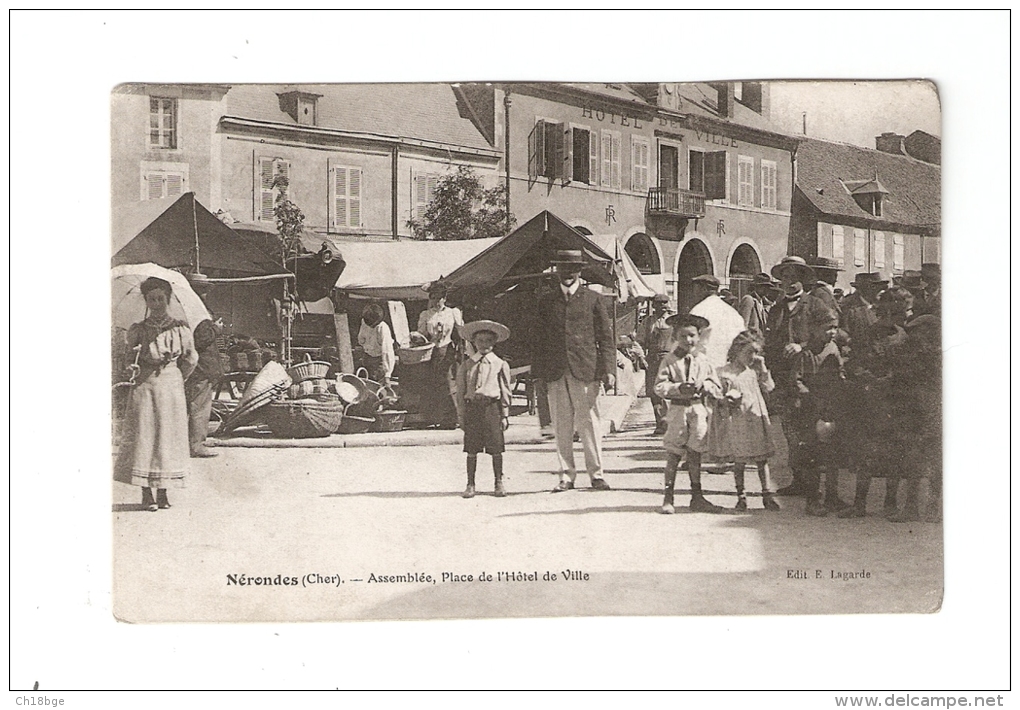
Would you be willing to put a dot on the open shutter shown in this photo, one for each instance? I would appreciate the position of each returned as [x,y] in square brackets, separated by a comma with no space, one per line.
[533,152]
[354,196]
[696,173]
[715,175]
[617,162]
[567,172]
[593,158]
[607,159]
[264,204]
[639,164]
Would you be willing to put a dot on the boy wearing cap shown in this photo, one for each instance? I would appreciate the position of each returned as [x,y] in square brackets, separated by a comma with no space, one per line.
[686,378]
[483,393]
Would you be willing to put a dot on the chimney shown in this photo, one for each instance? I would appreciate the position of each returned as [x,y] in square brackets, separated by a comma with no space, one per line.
[727,98]
[890,143]
[756,97]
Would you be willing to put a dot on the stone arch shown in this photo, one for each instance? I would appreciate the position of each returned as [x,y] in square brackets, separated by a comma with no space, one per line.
[743,262]
[581,226]
[693,259]
[644,252]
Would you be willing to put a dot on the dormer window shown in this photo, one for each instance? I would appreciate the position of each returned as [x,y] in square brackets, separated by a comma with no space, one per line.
[868,194]
[300,105]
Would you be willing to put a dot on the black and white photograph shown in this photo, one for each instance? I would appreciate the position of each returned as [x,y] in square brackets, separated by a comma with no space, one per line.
[406,357]
[655,311]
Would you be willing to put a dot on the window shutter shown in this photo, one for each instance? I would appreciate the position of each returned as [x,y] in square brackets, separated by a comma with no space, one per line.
[696,173]
[593,158]
[354,196]
[715,175]
[154,186]
[745,181]
[340,201]
[860,247]
[897,252]
[567,173]
[617,161]
[533,151]
[540,148]
[607,159]
[635,164]
[282,168]
[879,250]
[174,185]
[768,185]
[837,244]
[265,190]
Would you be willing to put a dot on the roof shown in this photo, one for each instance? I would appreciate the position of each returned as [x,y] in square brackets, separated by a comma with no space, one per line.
[163,232]
[914,187]
[397,270]
[395,110]
[621,92]
[701,99]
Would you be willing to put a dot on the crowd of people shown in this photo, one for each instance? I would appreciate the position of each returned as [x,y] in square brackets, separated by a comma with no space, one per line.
[855,381]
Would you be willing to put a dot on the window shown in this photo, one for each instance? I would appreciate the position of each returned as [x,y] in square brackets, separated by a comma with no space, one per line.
[860,247]
[545,149]
[580,155]
[162,180]
[345,190]
[707,173]
[897,252]
[612,163]
[745,181]
[162,123]
[769,190]
[423,189]
[269,189]
[640,156]
[879,250]
[837,244]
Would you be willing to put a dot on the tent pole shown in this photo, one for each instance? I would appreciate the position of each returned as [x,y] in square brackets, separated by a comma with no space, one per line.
[194,221]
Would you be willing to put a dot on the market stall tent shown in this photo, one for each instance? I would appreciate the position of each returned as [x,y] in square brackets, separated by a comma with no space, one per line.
[398,270]
[527,252]
[164,232]
[631,283]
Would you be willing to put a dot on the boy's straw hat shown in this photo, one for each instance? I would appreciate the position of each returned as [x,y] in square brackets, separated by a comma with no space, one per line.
[468,330]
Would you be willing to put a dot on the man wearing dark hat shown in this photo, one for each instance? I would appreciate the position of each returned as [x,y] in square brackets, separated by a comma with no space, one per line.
[827,270]
[931,304]
[859,310]
[752,306]
[656,336]
[789,329]
[573,352]
[724,323]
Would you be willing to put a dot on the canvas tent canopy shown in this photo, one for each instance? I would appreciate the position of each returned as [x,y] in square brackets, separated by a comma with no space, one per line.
[398,270]
[163,232]
[527,252]
[629,280]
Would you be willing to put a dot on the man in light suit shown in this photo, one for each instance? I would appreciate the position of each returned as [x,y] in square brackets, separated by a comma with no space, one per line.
[574,353]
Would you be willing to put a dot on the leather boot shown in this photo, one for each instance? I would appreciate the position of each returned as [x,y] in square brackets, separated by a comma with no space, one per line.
[161,498]
[497,472]
[147,500]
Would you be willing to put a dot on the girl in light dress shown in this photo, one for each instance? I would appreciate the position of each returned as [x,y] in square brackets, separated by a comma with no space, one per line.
[740,421]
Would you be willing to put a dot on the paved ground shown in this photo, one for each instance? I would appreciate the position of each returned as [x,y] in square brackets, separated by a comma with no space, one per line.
[396,511]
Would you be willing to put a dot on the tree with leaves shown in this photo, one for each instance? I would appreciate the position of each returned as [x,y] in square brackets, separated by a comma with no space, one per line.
[290,220]
[462,208]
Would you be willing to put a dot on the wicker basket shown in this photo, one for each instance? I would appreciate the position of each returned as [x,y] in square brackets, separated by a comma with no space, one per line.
[416,355]
[303,418]
[351,424]
[309,370]
[389,420]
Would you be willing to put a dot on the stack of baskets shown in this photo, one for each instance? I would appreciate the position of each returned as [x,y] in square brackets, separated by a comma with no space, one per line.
[309,409]
[369,405]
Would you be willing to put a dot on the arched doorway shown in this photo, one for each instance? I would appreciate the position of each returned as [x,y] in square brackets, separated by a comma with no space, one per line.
[694,260]
[743,266]
[641,251]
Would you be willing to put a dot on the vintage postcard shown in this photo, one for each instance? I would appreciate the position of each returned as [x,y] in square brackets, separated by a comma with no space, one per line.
[511,349]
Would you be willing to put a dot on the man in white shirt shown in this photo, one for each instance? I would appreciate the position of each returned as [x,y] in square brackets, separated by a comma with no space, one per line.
[724,323]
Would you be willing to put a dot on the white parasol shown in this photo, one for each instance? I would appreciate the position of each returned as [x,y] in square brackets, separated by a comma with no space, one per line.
[129,305]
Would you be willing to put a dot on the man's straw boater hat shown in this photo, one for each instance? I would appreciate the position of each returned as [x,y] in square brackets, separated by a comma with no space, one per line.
[795,267]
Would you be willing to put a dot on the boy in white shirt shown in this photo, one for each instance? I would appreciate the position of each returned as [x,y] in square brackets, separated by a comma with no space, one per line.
[483,393]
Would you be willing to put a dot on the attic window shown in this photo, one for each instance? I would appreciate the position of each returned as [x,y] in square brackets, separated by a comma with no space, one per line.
[868,194]
[870,203]
[300,105]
